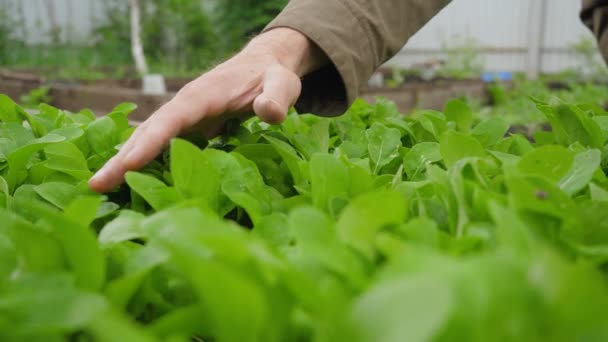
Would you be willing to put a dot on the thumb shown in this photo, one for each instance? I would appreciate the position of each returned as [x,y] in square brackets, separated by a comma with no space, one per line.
[281,89]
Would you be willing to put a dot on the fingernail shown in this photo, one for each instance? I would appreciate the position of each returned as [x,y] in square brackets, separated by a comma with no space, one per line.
[98,175]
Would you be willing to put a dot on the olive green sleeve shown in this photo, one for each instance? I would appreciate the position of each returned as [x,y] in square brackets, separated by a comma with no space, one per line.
[357,36]
[594,14]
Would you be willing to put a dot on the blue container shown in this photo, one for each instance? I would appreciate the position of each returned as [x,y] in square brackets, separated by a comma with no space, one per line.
[497,76]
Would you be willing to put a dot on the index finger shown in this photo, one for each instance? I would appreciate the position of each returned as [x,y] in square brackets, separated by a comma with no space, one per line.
[143,146]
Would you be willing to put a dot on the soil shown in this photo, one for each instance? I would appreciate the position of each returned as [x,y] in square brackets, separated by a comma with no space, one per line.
[102,96]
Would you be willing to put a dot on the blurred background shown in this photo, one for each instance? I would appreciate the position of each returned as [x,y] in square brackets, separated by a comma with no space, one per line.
[533,36]
[90,39]
[48,46]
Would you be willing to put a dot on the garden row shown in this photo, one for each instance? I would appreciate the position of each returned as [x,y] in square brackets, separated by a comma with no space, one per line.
[367,227]
[101,95]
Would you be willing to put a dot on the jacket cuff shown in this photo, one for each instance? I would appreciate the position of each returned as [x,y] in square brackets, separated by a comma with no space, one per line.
[330,90]
[594,14]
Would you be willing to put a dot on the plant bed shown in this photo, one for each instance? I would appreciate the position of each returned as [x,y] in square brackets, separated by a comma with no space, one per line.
[101,96]
[172,84]
[431,94]
[367,227]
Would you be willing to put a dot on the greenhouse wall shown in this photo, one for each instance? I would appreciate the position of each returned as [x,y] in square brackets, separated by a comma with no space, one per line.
[76,18]
[504,31]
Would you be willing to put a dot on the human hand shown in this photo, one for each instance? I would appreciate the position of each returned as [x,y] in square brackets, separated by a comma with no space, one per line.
[264,78]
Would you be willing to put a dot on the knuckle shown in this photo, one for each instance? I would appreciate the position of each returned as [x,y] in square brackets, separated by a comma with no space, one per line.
[189,90]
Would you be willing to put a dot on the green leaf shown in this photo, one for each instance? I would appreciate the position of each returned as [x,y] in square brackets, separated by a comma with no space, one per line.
[5,193]
[102,136]
[247,189]
[255,207]
[15,133]
[404,309]
[315,236]
[112,323]
[273,229]
[290,158]
[328,180]
[58,194]
[70,133]
[432,122]
[584,165]
[193,174]
[511,231]
[125,227]
[319,133]
[361,179]
[417,159]
[24,194]
[46,304]
[83,209]
[551,162]
[256,151]
[194,254]
[570,124]
[106,209]
[120,115]
[154,191]
[40,126]
[8,113]
[383,145]
[544,138]
[18,159]
[490,131]
[125,107]
[228,167]
[188,321]
[79,245]
[597,193]
[455,146]
[459,112]
[137,264]
[421,229]
[65,157]
[540,196]
[37,249]
[366,215]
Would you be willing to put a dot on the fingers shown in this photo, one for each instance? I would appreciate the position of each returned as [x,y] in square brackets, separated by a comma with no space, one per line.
[144,145]
[281,90]
[152,140]
[204,103]
[113,171]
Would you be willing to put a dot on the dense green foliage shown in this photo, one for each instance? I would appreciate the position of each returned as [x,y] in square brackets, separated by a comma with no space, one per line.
[367,227]
[513,103]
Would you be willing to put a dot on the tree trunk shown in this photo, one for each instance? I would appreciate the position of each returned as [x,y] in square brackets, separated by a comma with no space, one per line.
[22,21]
[137,48]
[54,29]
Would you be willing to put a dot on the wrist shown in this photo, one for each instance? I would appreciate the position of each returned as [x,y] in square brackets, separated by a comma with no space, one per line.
[290,48]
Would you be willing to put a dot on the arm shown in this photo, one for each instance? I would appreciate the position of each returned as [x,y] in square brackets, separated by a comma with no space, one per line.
[594,14]
[335,45]
[357,36]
